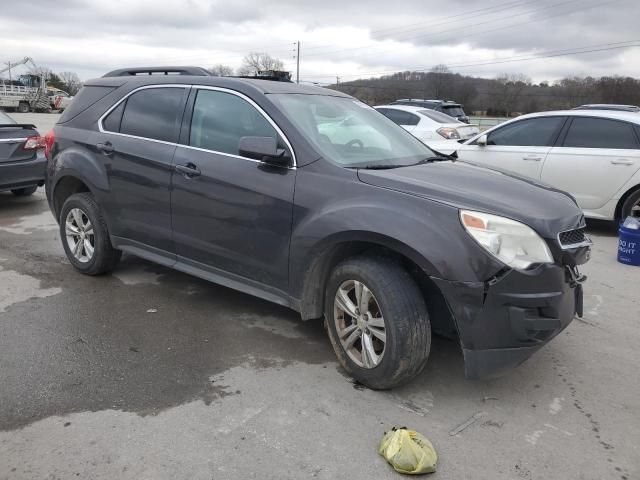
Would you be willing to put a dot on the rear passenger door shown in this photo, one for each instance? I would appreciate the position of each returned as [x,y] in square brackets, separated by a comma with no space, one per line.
[520,146]
[594,159]
[231,215]
[136,145]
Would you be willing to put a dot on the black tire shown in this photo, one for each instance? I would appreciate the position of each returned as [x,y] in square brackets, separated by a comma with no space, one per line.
[403,307]
[24,192]
[632,201]
[23,107]
[105,257]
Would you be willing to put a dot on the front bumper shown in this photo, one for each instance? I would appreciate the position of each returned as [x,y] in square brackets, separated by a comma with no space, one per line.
[503,321]
[22,174]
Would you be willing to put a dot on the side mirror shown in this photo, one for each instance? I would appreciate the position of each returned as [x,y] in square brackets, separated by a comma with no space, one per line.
[264,149]
[482,141]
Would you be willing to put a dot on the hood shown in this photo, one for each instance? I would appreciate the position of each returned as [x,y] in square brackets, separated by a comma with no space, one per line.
[467,186]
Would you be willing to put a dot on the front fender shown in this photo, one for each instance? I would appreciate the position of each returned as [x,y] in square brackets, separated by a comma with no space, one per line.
[329,213]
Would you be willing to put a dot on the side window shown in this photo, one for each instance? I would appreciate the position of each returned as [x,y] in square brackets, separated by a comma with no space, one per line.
[111,122]
[533,132]
[153,113]
[412,119]
[220,119]
[600,133]
[400,117]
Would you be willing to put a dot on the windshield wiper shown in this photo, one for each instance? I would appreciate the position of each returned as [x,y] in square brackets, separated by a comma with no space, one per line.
[381,167]
[441,157]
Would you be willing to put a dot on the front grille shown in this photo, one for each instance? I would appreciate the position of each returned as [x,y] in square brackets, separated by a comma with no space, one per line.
[572,238]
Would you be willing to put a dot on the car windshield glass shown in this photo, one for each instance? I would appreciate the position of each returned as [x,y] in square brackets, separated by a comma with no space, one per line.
[351,133]
[453,111]
[6,119]
[438,117]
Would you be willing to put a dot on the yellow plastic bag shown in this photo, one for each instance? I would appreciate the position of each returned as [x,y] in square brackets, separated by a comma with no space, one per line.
[408,451]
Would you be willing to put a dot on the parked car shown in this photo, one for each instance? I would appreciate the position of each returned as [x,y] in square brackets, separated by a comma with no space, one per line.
[609,106]
[448,107]
[592,154]
[59,99]
[438,130]
[22,162]
[245,182]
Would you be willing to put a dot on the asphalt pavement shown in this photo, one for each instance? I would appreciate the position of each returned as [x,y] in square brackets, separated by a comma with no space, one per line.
[149,373]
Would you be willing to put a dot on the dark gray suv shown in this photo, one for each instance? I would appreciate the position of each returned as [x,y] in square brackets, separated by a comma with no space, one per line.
[311,199]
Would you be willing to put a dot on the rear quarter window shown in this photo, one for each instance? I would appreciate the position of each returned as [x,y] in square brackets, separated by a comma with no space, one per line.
[86,97]
[154,113]
[600,133]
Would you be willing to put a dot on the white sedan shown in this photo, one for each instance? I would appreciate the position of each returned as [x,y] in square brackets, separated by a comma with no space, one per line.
[436,129]
[592,154]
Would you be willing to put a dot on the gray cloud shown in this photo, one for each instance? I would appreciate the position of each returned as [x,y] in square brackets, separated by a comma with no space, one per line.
[338,38]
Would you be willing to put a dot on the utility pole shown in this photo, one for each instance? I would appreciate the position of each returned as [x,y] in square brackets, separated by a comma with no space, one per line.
[337,83]
[298,63]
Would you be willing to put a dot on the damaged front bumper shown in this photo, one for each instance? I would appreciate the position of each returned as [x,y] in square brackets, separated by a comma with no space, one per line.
[503,321]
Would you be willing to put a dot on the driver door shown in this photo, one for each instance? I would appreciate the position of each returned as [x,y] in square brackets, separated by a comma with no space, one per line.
[231,215]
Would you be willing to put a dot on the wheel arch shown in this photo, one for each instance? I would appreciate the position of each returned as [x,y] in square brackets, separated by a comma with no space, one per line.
[75,170]
[334,250]
[66,186]
[623,198]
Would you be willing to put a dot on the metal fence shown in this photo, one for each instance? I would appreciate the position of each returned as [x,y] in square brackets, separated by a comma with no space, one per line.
[484,123]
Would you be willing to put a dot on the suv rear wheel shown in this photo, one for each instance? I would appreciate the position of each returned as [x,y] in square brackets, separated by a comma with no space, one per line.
[85,236]
[377,321]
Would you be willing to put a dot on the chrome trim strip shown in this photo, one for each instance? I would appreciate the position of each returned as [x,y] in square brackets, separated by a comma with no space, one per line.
[9,140]
[200,87]
[115,105]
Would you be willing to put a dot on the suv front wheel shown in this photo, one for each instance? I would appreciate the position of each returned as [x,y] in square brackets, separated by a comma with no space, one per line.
[85,237]
[377,321]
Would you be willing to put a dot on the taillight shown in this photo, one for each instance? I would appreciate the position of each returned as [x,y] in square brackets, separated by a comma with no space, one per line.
[34,142]
[449,133]
[49,140]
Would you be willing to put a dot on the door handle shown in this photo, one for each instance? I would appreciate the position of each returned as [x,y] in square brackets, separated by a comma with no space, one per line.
[106,148]
[622,161]
[189,170]
[533,158]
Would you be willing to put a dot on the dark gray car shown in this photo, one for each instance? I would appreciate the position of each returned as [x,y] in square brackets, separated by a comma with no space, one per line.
[311,199]
[22,163]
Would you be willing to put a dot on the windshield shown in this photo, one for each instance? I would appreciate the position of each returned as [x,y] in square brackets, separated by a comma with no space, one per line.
[350,133]
[438,116]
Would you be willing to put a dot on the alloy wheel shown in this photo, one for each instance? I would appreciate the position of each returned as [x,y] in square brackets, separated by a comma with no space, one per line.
[359,324]
[79,234]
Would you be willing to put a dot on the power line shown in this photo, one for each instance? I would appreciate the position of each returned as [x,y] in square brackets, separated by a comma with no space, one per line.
[430,24]
[518,58]
[458,29]
[501,6]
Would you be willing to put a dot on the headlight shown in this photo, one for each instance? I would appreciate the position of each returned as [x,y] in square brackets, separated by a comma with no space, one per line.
[511,242]
[449,133]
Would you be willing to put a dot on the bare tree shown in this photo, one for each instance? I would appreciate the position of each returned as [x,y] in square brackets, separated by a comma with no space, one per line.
[440,78]
[221,70]
[508,89]
[71,81]
[256,61]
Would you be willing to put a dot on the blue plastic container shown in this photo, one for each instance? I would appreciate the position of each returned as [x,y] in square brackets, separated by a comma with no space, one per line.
[629,246]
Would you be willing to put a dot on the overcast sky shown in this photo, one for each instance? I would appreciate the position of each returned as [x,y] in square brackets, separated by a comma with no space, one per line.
[350,39]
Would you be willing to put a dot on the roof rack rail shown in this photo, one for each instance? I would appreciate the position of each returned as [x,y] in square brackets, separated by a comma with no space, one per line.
[274,75]
[127,72]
